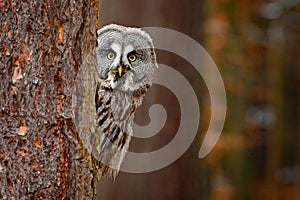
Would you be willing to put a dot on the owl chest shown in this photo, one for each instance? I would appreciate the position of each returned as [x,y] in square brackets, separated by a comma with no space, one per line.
[115,112]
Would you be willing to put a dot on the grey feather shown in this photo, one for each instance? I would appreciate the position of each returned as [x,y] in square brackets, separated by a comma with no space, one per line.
[125,64]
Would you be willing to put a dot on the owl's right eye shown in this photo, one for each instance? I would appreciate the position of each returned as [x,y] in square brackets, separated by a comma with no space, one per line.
[110,55]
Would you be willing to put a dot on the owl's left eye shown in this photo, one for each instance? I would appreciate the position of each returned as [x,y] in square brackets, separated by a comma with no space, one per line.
[132,57]
[110,55]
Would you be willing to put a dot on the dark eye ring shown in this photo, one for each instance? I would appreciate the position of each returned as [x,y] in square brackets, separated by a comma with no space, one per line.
[132,57]
[110,55]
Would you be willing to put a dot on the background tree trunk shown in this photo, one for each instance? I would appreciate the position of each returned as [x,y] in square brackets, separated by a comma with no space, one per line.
[42,45]
[183,179]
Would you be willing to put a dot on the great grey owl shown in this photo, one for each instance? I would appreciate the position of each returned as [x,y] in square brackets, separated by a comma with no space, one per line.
[125,64]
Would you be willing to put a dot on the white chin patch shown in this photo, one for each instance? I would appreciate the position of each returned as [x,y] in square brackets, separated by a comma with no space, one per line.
[109,82]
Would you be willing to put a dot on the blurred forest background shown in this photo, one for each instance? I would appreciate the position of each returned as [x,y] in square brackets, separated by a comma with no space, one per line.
[256,45]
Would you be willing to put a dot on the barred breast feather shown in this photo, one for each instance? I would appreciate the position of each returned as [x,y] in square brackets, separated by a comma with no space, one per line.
[115,113]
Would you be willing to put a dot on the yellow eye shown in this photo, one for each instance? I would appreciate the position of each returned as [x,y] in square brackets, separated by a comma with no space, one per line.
[132,57]
[110,55]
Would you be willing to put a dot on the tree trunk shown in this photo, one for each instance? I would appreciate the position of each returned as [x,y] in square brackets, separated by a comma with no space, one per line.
[183,179]
[42,46]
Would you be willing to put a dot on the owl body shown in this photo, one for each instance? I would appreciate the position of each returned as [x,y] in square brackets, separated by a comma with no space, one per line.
[125,66]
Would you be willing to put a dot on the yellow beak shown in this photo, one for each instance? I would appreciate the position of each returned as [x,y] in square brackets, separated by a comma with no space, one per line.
[120,70]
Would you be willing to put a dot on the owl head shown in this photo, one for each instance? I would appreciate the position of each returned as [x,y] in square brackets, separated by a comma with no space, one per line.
[125,58]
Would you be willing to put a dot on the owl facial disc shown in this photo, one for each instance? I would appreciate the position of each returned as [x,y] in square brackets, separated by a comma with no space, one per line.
[126,58]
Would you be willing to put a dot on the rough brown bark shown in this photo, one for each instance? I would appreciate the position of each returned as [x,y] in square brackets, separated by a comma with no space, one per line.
[42,45]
